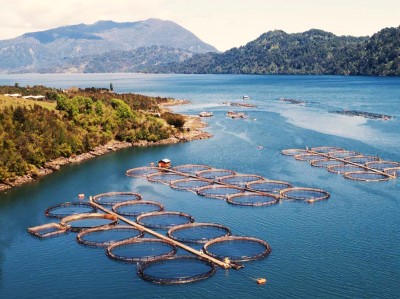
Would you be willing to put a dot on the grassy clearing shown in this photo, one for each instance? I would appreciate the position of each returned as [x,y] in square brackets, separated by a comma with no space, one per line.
[15,102]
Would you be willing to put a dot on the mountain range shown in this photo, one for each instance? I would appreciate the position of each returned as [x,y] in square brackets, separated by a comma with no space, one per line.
[70,48]
[156,46]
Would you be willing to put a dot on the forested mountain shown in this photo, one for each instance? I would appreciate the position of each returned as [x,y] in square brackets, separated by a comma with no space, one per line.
[144,59]
[55,49]
[311,52]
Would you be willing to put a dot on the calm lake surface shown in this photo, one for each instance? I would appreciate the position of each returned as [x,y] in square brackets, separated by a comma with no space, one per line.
[345,247]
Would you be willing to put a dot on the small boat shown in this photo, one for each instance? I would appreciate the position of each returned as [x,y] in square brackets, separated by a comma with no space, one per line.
[246,98]
[206,114]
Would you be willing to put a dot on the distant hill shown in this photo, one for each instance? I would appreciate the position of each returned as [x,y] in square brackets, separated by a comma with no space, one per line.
[311,52]
[156,46]
[61,48]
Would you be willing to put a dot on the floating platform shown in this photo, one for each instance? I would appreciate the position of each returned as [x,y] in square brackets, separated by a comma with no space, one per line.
[233,114]
[48,230]
[369,115]
[239,104]
[206,114]
[292,101]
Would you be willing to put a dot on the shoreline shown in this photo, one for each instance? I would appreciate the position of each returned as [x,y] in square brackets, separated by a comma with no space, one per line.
[192,130]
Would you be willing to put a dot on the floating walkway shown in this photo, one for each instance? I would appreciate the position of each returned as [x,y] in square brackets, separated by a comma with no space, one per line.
[225,184]
[144,229]
[353,165]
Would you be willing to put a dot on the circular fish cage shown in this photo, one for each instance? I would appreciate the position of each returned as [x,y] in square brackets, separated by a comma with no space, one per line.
[294,152]
[191,168]
[190,184]
[112,198]
[309,157]
[343,154]
[176,270]
[138,250]
[237,249]
[164,220]
[69,208]
[363,159]
[344,168]
[269,186]
[142,172]
[381,165]
[214,174]
[137,207]
[165,178]
[255,200]
[366,176]
[305,194]
[107,235]
[199,233]
[326,149]
[393,171]
[240,180]
[218,191]
[325,163]
[76,223]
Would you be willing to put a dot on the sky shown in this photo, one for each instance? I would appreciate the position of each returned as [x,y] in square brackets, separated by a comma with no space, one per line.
[221,23]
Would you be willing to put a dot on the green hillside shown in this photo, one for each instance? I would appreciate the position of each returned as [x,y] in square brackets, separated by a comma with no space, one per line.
[312,52]
[73,122]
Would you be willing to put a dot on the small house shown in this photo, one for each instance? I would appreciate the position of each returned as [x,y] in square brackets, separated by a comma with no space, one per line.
[164,163]
[39,97]
[14,95]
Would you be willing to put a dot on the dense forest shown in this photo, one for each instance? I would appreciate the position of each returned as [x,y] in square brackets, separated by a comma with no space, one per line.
[311,52]
[80,121]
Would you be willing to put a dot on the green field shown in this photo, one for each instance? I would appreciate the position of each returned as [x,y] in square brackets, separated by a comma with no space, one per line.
[15,102]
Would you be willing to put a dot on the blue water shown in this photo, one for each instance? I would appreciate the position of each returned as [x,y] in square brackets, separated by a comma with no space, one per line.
[345,247]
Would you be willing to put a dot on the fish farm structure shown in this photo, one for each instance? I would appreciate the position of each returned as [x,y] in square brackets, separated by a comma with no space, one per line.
[369,115]
[351,164]
[142,232]
[228,185]
[129,230]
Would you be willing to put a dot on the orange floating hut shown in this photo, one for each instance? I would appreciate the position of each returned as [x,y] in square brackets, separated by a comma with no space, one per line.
[164,163]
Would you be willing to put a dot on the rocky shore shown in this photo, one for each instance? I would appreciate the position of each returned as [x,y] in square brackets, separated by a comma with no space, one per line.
[191,131]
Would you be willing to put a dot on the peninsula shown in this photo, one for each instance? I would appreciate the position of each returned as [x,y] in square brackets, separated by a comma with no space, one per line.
[44,128]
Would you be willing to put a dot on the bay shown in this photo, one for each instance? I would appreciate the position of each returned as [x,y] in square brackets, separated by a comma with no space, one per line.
[345,247]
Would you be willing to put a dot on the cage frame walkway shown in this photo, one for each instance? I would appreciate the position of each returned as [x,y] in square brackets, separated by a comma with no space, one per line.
[201,254]
[325,155]
[217,182]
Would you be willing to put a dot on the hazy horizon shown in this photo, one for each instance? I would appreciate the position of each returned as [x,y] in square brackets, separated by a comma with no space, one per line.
[223,24]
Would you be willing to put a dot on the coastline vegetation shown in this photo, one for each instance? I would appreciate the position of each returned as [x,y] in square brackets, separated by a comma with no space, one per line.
[73,122]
